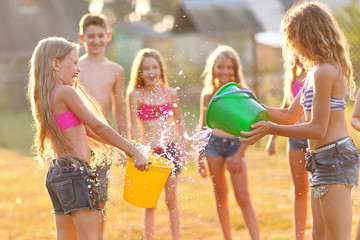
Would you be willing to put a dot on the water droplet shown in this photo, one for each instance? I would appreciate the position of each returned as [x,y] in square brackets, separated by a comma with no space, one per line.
[18,200]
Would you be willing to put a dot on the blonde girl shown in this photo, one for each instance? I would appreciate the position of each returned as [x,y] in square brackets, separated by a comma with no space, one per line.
[294,80]
[224,150]
[65,130]
[311,32]
[154,111]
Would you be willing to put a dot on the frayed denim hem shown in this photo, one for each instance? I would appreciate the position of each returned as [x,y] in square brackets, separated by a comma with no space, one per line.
[69,212]
[322,188]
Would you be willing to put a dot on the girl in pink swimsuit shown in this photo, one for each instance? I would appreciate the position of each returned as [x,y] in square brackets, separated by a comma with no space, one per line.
[155,121]
[65,130]
[294,80]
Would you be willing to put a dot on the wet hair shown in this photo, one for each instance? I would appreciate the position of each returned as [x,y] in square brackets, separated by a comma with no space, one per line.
[310,31]
[48,138]
[211,83]
[136,77]
[92,19]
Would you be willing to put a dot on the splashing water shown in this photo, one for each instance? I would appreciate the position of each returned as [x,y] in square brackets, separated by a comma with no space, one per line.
[146,150]
[196,143]
[198,140]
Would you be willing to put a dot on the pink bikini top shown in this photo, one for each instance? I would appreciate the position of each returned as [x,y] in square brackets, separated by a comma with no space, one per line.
[66,119]
[154,112]
[296,87]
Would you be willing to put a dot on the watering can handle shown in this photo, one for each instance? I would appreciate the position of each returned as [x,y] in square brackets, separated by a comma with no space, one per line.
[248,92]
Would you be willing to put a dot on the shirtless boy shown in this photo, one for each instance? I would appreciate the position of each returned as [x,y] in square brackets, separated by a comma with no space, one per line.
[104,81]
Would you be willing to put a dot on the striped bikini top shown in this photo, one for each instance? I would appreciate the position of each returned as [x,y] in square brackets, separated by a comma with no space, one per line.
[307,95]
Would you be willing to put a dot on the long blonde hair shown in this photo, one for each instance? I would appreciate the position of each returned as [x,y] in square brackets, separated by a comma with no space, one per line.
[311,26]
[136,77]
[48,137]
[211,84]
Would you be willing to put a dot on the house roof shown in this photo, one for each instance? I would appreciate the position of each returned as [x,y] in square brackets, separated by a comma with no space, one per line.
[22,27]
[216,16]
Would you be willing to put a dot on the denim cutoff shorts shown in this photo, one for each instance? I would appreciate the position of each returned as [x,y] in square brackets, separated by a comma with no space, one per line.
[339,164]
[297,144]
[72,188]
[102,176]
[219,146]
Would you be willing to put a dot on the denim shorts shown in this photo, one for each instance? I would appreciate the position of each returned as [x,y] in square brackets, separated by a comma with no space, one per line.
[102,176]
[339,164]
[297,144]
[72,188]
[219,146]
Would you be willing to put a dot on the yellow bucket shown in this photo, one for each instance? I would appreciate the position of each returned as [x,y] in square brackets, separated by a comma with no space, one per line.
[143,189]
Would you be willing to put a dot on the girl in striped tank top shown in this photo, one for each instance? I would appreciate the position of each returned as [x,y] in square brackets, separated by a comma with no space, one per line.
[310,32]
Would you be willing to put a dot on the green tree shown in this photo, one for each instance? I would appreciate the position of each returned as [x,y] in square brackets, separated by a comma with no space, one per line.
[348,17]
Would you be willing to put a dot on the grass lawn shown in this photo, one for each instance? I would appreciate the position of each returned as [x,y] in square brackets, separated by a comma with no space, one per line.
[25,208]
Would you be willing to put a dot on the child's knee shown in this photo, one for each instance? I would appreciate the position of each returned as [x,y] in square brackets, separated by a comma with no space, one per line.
[243,199]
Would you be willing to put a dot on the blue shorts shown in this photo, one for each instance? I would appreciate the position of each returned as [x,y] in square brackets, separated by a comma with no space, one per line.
[338,164]
[72,188]
[102,176]
[219,146]
[297,144]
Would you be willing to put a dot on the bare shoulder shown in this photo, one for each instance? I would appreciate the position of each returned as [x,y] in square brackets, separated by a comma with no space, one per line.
[83,63]
[135,94]
[326,72]
[66,89]
[207,98]
[115,67]
[172,93]
[65,92]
